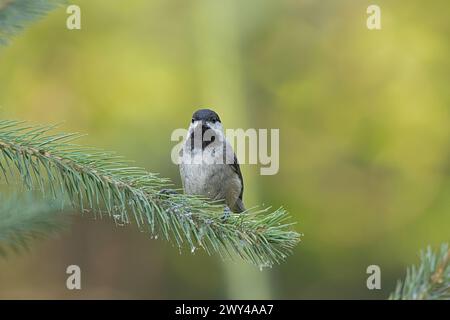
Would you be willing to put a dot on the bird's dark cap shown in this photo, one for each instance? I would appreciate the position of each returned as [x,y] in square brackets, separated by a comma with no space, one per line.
[205,115]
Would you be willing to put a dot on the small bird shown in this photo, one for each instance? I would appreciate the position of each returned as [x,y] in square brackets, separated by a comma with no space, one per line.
[208,165]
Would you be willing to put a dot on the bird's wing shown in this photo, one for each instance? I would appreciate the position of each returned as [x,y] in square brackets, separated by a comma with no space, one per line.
[237,169]
[235,166]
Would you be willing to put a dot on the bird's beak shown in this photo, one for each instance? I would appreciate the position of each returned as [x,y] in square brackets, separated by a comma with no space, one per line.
[199,127]
[200,124]
[205,127]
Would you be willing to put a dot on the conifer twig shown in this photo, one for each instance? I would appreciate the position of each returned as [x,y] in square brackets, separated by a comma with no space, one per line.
[26,217]
[99,181]
[16,14]
[428,281]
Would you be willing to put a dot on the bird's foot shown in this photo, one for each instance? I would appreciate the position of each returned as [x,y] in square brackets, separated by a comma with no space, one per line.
[226,213]
[167,191]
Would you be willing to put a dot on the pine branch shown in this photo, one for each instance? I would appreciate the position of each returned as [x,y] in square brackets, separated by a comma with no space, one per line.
[28,217]
[16,14]
[430,280]
[102,182]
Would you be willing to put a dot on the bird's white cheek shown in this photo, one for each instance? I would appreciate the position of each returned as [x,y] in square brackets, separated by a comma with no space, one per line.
[217,126]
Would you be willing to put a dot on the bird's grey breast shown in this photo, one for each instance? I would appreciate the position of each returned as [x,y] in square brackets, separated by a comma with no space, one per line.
[203,171]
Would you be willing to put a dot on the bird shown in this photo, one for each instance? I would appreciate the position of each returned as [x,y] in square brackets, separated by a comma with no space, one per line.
[208,165]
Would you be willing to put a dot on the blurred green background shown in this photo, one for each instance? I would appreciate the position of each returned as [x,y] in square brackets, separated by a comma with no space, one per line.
[364,129]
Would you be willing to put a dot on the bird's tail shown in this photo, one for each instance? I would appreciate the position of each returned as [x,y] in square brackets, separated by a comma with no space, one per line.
[239,206]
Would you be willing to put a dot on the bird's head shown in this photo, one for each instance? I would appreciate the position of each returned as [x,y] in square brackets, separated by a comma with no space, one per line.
[205,125]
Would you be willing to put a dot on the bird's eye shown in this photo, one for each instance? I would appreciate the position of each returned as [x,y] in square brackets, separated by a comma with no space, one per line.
[192,120]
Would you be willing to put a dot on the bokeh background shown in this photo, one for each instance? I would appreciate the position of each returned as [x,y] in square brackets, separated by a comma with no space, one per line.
[364,129]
